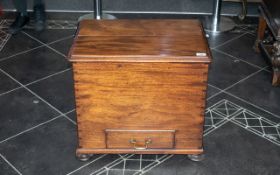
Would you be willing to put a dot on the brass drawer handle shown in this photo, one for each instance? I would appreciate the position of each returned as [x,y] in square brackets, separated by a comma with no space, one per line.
[147,142]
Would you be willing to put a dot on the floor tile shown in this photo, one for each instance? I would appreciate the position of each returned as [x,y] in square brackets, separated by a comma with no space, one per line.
[72,116]
[258,90]
[6,168]
[258,125]
[247,21]
[225,71]
[50,35]
[58,90]
[211,91]
[242,48]
[18,43]
[34,65]
[218,114]
[217,40]
[48,149]
[98,166]
[20,110]
[252,29]
[229,150]
[7,83]
[243,103]
[4,37]
[131,165]
[63,46]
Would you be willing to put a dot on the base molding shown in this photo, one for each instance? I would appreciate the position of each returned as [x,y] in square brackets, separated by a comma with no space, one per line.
[133,151]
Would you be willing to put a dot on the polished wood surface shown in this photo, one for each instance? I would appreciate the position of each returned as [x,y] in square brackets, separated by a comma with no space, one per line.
[152,27]
[165,96]
[145,40]
[134,151]
[152,49]
[130,91]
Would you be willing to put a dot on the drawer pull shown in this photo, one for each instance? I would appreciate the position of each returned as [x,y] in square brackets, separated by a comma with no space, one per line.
[147,142]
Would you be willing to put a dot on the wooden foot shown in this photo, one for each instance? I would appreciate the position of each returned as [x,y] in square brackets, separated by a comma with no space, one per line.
[83,157]
[196,157]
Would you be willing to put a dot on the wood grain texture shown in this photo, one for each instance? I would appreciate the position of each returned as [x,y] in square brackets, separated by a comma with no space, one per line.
[151,27]
[129,49]
[165,96]
[144,76]
[140,40]
[134,151]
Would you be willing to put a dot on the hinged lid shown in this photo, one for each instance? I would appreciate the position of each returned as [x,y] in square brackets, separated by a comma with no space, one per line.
[140,41]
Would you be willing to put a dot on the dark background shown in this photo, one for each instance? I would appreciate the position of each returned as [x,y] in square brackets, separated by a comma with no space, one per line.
[142,6]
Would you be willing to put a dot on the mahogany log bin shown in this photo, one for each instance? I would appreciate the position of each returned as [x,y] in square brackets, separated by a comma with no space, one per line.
[140,86]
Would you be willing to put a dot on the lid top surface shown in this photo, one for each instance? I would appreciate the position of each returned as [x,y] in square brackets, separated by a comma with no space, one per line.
[140,40]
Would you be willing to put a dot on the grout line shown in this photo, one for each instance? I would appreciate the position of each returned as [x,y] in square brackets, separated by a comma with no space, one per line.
[64,38]
[140,162]
[124,165]
[19,53]
[246,125]
[38,96]
[232,39]
[36,81]
[245,101]
[44,44]
[20,133]
[56,51]
[253,34]
[251,131]
[224,53]
[111,164]
[34,127]
[245,78]
[223,122]
[237,83]
[12,90]
[219,92]
[11,165]
[37,47]
[157,163]
[244,27]
[49,76]
[5,40]
[100,157]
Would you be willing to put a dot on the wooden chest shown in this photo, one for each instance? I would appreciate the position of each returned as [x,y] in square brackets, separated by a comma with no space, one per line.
[140,86]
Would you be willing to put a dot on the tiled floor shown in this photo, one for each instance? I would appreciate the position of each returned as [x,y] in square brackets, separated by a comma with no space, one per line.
[38,120]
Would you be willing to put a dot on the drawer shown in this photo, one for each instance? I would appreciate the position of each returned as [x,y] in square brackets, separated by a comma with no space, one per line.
[140,139]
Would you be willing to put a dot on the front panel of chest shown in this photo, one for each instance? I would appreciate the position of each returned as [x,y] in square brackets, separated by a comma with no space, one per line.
[159,103]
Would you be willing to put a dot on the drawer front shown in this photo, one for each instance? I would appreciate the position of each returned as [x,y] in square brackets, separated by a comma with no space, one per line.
[140,139]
